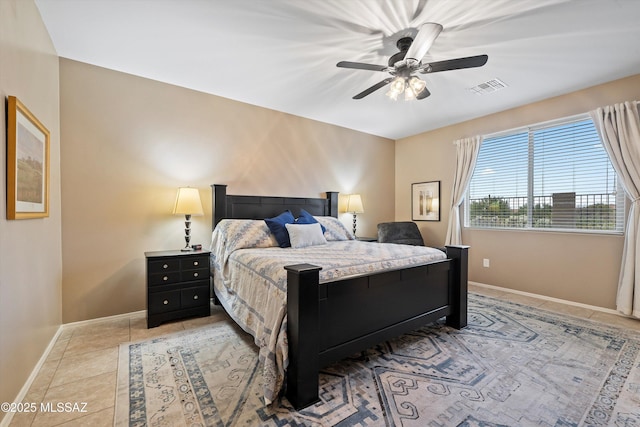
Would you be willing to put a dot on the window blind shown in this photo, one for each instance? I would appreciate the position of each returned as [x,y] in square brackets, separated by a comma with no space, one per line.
[549,176]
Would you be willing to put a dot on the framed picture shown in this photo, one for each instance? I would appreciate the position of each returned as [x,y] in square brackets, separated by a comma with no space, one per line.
[425,201]
[27,163]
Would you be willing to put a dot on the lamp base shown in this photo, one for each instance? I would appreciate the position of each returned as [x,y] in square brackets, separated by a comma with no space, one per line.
[187,233]
[354,224]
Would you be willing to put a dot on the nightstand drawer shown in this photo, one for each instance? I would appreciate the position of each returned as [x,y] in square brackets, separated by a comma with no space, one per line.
[192,297]
[164,278]
[164,265]
[194,262]
[161,302]
[200,274]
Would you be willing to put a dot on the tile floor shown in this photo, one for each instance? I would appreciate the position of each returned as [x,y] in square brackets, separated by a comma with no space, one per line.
[83,363]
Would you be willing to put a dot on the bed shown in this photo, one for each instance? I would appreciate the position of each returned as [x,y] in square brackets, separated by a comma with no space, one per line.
[311,321]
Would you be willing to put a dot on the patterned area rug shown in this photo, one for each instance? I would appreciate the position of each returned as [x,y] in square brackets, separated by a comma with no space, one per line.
[512,366]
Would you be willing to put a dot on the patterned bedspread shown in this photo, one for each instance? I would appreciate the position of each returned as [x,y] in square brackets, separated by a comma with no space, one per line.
[250,279]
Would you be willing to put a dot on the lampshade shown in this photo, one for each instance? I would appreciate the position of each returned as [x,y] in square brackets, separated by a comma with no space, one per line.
[354,204]
[188,202]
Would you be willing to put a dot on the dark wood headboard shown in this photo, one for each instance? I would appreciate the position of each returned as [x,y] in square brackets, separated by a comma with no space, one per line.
[260,207]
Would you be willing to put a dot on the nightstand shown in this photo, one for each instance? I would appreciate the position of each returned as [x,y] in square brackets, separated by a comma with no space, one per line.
[177,285]
[367,239]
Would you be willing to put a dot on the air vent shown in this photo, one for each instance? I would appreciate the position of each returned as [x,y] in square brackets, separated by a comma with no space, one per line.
[488,87]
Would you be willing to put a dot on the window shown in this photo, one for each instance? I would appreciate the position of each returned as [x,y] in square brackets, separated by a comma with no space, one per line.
[551,176]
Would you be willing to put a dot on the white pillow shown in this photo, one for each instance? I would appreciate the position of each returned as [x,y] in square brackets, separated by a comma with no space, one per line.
[303,235]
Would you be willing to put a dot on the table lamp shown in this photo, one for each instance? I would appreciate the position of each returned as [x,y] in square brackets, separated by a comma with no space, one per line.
[188,203]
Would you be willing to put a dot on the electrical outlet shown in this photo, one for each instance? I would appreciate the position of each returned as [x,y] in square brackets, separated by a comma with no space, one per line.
[485,262]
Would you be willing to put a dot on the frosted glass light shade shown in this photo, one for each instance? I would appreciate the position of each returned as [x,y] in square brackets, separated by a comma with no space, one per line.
[396,88]
[188,202]
[417,85]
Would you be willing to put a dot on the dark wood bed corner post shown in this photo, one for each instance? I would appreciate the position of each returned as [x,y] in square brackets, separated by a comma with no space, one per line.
[332,197]
[460,255]
[219,200]
[302,330]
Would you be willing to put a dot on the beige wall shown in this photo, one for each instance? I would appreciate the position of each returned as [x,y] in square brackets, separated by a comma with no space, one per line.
[576,267]
[30,250]
[129,143]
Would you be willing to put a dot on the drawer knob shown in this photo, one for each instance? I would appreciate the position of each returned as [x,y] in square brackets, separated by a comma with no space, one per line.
[165,302]
[165,266]
[195,263]
[165,278]
[195,274]
[195,297]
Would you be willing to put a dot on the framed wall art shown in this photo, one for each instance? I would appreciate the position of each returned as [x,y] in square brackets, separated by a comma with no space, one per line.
[27,163]
[425,201]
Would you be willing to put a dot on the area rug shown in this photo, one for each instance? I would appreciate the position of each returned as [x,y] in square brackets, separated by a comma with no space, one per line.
[513,365]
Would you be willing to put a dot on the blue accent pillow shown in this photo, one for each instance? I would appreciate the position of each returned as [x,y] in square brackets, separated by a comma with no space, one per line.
[277,227]
[306,218]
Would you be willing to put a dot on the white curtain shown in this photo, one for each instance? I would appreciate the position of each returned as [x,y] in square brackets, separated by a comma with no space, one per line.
[619,128]
[466,155]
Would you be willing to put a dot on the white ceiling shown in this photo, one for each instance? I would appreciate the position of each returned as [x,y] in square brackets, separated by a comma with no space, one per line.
[282,54]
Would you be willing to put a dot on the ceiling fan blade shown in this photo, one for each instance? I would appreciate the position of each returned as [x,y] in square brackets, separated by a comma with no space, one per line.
[373,88]
[423,94]
[427,34]
[454,64]
[361,66]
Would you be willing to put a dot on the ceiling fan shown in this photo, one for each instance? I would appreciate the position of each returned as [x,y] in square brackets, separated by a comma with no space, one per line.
[405,64]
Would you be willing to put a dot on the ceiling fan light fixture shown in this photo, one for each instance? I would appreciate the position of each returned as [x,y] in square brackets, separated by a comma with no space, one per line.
[409,93]
[398,84]
[417,84]
[392,95]
[411,86]
[396,87]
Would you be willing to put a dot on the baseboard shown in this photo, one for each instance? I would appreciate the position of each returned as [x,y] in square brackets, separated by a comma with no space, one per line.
[102,319]
[25,388]
[27,385]
[546,298]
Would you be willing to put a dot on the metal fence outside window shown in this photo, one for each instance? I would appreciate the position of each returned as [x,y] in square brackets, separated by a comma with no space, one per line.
[560,211]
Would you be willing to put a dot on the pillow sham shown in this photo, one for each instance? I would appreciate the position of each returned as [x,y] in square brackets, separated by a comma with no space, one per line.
[232,234]
[306,218]
[335,229]
[303,235]
[277,227]
[243,233]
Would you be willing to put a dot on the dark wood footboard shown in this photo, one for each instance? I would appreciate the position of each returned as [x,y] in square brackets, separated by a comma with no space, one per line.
[329,321]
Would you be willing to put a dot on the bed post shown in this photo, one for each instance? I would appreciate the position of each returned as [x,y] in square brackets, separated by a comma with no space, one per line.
[459,289]
[219,201]
[303,331]
[332,197]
